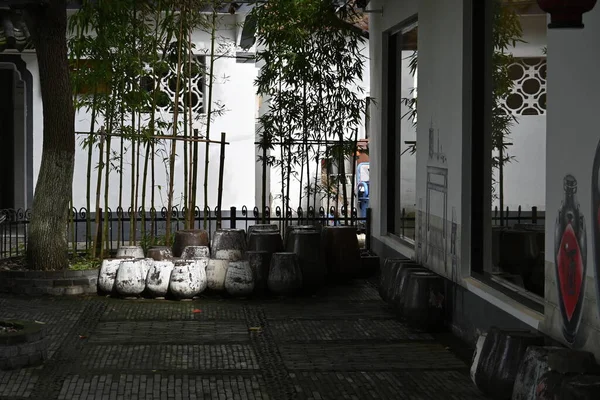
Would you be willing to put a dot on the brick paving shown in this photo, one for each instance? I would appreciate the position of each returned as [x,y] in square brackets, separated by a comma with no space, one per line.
[341,344]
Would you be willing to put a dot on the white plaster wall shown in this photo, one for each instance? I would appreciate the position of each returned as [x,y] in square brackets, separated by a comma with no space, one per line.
[572,138]
[236,92]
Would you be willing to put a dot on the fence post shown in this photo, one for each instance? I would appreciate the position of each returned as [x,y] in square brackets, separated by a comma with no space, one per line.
[534,216]
[232,217]
[403,221]
[368,230]
[220,189]
[99,234]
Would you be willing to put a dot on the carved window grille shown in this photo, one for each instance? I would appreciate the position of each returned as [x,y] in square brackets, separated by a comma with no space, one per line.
[167,86]
[528,94]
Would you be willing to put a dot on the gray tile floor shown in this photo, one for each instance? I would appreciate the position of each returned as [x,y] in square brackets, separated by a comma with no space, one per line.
[341,344]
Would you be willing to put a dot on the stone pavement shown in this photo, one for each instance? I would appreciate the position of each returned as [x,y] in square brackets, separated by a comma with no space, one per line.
[343,344]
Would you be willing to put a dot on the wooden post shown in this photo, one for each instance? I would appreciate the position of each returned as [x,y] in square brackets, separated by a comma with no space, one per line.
[221,168]
[264,184]
[99,234]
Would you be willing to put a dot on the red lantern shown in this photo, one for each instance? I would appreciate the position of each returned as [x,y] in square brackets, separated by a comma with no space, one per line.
[566,13]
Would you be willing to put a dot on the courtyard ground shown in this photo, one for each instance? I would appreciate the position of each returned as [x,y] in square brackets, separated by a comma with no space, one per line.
[341,344]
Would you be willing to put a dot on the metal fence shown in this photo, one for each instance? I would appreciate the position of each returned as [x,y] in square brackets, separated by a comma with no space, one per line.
[519,216]
[150,225]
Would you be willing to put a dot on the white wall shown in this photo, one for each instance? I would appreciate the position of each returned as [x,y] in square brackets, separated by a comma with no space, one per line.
[573,85]
[237,93]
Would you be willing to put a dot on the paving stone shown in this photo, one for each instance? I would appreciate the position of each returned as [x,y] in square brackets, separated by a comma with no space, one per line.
[170,310]
[197,332]
[343,343]
[375,357]
[18,383]
[308,309]
[350,293]
[434,385]
[336,330]
[169,357]
[160,386]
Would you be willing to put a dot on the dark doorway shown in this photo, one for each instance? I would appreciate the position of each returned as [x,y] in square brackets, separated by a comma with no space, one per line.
[7,132]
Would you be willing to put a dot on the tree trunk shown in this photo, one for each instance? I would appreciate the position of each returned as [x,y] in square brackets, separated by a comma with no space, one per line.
[47,247]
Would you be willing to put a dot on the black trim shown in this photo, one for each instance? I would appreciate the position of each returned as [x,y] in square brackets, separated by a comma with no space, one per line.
[479,129]
[391,82]
[28,78]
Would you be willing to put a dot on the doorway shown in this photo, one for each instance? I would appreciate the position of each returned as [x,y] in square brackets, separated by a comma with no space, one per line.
[7,136]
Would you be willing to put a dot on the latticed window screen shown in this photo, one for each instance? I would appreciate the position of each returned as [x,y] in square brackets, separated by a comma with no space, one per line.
[528,94]
[167,81]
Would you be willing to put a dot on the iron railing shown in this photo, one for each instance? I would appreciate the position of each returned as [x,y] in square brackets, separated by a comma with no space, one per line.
[150,225]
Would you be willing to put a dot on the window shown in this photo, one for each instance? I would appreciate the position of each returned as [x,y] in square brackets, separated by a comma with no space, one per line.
[507,138]
[191,86]
[400,82]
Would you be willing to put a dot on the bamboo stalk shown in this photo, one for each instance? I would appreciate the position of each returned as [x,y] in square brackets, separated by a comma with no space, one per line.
[209,111]
[132,194]
[186,169]
[88,189]
[106,209]
[144,183]
[152,193]
[122,148]
[264,184]
[137,178]
[355,150]
[194,148]
[98,192]
[174,143]
[221,171]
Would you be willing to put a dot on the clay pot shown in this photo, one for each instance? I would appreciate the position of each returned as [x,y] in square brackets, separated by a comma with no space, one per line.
[239,281]
[424,301]
[259,263]
[130,252]
[270,242]
[229,244]
[306,245]
[388,276]
[499,361]
[131,277]
[342,254]
[189,237]
[291,229]
[262,228]
[215,274]
[195,252]
[107,275]
[157,280]
[285,275]
[398,291]
[160,253]
[188,279]
[369,265]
